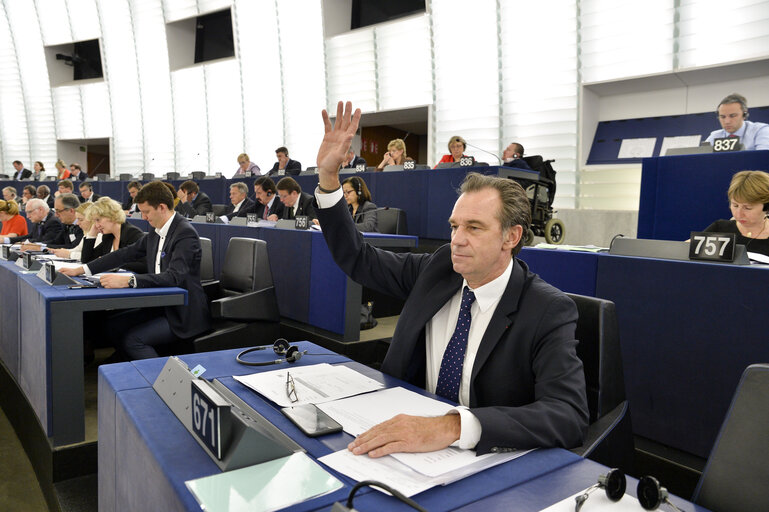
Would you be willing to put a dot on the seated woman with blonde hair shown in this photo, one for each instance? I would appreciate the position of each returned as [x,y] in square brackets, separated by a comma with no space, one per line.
[62,173]
[108,218]
[76,252]
[396,154]
[748,200]
[13,223]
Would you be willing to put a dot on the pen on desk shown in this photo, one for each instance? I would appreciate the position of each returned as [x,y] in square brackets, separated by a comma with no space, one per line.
[291,388]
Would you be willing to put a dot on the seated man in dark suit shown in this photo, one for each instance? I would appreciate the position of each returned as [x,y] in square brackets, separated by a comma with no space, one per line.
[512,156]
[240,204]
[71,233]
[65,187]
[284,166]
[44,193]
[76,173]
[129,206]
[192,201]
[351,161]
[45,226]
[267,202]
[477,327]
[87,195]
[22,173]
[295,202]
[171,252]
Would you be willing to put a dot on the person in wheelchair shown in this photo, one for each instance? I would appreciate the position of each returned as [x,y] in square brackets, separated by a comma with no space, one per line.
[512,156]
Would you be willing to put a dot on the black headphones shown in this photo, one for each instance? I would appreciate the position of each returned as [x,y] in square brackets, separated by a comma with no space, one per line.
[281,347]
[356,184]
[651,495]
[614,482]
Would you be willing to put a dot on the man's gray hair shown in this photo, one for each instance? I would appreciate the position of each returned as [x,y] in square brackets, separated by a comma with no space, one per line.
[240,186]
[35,203]
[69,201]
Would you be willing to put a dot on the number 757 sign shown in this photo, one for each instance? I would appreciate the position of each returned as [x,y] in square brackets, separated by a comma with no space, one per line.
[712,246]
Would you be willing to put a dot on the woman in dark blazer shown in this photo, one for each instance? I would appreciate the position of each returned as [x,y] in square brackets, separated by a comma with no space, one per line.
[361,208]
[108,218]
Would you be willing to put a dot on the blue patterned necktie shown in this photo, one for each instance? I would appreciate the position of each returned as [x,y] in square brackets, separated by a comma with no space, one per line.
[450,373]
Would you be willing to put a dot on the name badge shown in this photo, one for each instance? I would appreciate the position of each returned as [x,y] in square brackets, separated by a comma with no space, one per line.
[408,165]
[466,161]
[251,220]
[302,222]
[72,237]
[712,246]
[726,144]
[360,167]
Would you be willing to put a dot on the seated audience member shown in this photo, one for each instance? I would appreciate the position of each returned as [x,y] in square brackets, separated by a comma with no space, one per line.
[108,218]
[87,195]
[39,173]
[44,193]
[171,254]
[511,361]
[295,202]
[358,198]
[62,173]
[351,161]
[192,201]
[171,187]
[85,225]
[76,173]
[748,200]
[128,205]
[246,165]
[267,202]
[45,225]
[65,187]
[9,194]
[457,147]
[732,113]
[71,233]
[284,166]
[14,225]
[29,192]
[396,154]
[240,204]
[21,172]
[512,156]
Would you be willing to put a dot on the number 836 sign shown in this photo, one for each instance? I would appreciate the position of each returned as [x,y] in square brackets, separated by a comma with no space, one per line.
[712,246]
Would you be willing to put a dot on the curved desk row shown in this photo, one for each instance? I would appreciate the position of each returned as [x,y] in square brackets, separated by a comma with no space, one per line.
[687,329]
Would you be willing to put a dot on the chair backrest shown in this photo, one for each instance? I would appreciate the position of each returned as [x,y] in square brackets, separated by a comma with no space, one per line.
[737,473]
[198,175]
[148,176]
[599,350]
[172,175]
[391,221]
[218,209]
[246,266]
[207,260]
[124,176]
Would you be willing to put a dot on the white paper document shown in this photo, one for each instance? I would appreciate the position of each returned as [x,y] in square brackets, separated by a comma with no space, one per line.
[597,502]
[637,148]
[314,384]
[683,141]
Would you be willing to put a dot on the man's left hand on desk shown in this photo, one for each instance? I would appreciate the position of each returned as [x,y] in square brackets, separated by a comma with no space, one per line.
[408,434]
[115,280]
[71,271]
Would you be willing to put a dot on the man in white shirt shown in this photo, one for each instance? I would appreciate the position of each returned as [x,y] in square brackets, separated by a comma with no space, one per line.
[733,113]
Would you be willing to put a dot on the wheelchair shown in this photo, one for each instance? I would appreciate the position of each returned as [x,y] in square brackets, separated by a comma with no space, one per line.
[541,194]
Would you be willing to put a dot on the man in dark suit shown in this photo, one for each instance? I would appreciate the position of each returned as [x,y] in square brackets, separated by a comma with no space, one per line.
[267,202]
[295,202]
[171,251]
[87,195]
[71,233]
[46,227]
[129,206]
[512,156]
[240,204]
[44,193]
[21,173]
[284,166]
[477,327]
[351,161]
[76,173]
[192,201]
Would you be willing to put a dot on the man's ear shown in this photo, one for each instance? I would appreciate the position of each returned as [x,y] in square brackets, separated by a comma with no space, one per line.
[512,236]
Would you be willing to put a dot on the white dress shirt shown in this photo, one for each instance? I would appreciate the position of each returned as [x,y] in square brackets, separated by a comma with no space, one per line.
[162,233]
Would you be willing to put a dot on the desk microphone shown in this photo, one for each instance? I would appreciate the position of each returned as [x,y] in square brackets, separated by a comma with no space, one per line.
[487,152]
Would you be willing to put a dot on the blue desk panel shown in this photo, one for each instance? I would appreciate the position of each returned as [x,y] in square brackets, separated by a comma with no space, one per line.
[575,273]
[681,194]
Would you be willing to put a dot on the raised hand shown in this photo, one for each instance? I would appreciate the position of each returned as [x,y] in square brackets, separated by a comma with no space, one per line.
[336,142]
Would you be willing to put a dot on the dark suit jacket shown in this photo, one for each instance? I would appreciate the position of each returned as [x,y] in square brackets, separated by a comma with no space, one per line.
[179,266]
[69,237]
[43,232]
[365,218]
[276,209]
[23,174]
[129,234]
[49,200]
[293,168]
[355,163]
[528,387]
[199,206]
[518,163]
[305,206]
[247,206]
[94,197]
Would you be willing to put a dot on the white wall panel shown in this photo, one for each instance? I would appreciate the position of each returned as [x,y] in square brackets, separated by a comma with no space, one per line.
[54,22]
[225,116]
[190,119]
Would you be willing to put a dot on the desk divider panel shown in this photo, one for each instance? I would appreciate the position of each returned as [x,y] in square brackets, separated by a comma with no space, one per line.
[10,341]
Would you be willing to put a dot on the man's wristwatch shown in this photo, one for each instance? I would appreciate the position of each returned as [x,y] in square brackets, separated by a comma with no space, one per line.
[132,281]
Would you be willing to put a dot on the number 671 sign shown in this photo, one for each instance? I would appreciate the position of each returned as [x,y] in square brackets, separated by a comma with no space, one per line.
[712,246]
